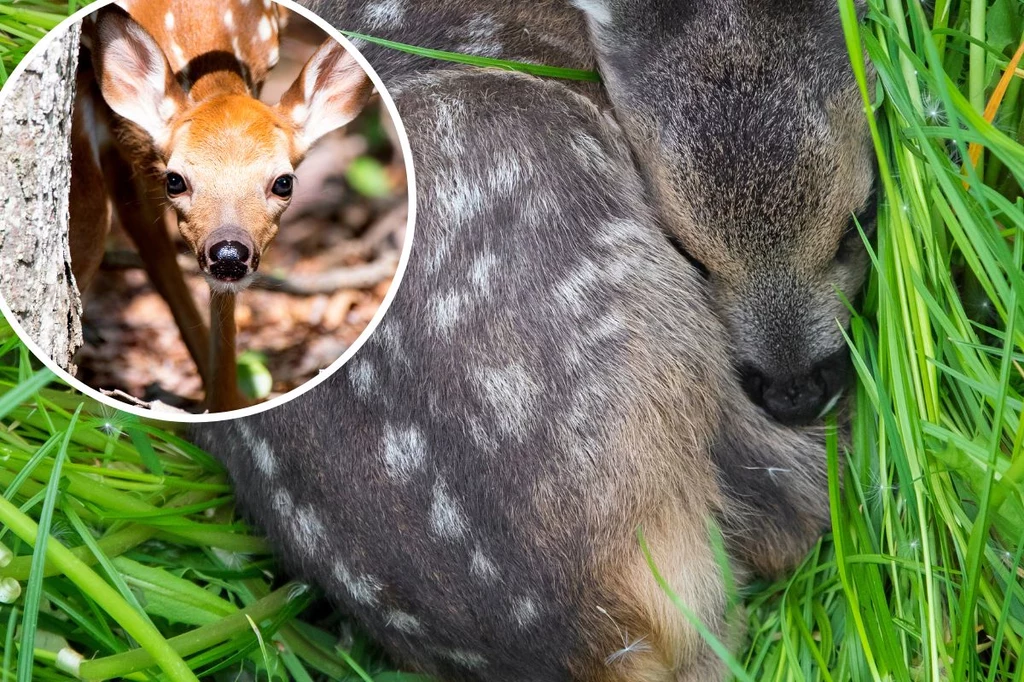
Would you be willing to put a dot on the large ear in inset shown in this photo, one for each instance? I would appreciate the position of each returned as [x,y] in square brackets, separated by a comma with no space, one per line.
[133,74]
[331,91]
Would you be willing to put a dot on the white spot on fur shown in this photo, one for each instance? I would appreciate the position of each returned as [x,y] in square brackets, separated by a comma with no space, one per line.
[169,21]
[273,57]
[605,328]
[363,376]
[229,20]
[505,174]
[168,108]
[389,335]
[448,310]
[481,566]
[446,518]
[575,288]
[179,56]
[458,198]
[386,12]
[614,233]
[262,453]
[525,611]
[299,113]
[597,10]
[588,149]
[264,29]
[512,392]
[309,528]
[467,659]
[480,272]
[483,39]
[404,451]
[363,588]
[282,502]
[236,47]
[404,622]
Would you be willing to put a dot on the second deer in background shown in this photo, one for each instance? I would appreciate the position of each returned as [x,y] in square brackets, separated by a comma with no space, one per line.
[170,116]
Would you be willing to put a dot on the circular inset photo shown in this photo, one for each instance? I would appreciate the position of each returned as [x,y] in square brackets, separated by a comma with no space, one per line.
[207,204]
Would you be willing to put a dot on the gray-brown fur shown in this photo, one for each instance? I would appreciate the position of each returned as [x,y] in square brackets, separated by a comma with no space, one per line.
[748,124]
[552,375]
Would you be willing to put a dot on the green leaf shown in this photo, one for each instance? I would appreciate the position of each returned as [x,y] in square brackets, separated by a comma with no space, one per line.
[254,379]
[1003,24]
[178,600]
[368,176]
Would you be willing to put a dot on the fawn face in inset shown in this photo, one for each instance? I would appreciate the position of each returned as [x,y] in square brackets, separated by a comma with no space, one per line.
[226,159]
[753,137]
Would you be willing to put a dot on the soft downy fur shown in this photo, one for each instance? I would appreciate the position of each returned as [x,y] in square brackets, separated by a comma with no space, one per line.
[757,161]
[552,376]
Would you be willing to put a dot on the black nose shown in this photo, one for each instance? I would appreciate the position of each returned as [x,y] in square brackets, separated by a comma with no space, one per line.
[798,399]
[229,260]
[230,255]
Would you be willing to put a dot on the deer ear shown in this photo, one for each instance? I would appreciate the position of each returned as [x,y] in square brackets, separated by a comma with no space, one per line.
[331,91]
[134,76]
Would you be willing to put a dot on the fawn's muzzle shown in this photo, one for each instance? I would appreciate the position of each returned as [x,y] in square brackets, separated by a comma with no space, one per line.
[230,255]
[799,399]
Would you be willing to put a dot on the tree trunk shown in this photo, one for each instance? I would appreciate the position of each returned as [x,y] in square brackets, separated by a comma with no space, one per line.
[35,180]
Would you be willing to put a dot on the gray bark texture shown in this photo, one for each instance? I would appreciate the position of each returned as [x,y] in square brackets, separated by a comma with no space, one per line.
[35,180]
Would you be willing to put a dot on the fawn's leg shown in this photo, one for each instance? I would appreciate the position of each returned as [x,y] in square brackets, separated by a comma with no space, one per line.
[144,219]
[775,480]
[89,219]
[222,389]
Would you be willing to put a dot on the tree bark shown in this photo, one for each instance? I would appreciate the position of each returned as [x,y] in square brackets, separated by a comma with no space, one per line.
[35,180]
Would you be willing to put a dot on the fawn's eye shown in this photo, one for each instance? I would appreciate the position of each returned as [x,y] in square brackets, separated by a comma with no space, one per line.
[283,186]
[176,185]
[678,246]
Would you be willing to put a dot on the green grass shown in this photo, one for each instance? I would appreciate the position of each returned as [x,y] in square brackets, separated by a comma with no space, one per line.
[23,23]
[921,579]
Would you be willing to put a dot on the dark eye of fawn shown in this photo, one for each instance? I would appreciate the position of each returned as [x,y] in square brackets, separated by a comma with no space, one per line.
[678,246]
[175,185]
[283,186]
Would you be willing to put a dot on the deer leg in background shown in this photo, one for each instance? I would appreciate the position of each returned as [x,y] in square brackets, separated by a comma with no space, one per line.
[144,219]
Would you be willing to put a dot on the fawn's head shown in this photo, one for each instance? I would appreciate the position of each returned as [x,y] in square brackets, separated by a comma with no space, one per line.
[227,160]
[750,129]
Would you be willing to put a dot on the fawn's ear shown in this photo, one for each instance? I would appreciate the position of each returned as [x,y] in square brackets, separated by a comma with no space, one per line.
[134,76]
[331,91]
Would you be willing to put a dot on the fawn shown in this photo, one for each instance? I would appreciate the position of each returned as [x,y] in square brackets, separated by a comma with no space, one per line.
[558,369]
[170,117]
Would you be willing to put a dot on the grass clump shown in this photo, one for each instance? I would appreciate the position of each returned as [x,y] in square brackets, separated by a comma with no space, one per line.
[141,568]
[23,23]
[922,577]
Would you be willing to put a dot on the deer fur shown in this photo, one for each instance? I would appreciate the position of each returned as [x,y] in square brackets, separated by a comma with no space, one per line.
[560,366]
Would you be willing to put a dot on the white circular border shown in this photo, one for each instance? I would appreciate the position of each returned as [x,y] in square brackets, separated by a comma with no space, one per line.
[403,261]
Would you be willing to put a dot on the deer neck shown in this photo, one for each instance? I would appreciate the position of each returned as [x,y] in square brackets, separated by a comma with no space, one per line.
[204,84]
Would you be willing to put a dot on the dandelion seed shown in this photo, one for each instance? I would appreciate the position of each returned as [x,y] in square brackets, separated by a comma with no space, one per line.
[636,646]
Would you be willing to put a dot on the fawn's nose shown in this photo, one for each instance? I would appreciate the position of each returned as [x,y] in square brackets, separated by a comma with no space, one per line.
[229,255]
[798,399]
